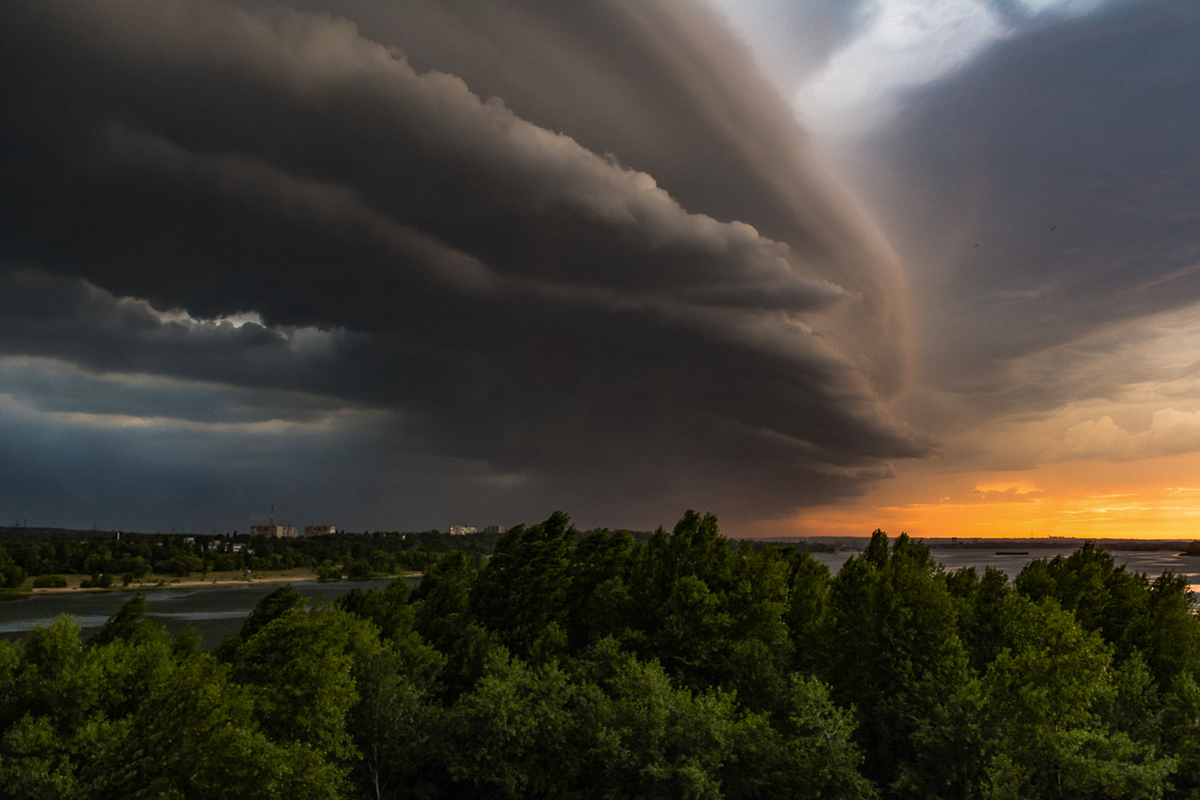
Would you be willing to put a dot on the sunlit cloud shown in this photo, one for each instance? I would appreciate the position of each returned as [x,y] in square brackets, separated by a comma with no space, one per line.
[1170,432]
[1012,494]
[903,43]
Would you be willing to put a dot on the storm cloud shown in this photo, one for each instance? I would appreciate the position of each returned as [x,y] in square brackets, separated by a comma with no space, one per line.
[1058,177]
[577,254]
[1044,197]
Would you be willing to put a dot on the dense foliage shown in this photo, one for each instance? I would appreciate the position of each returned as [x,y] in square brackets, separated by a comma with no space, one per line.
[111,556]
[683,666]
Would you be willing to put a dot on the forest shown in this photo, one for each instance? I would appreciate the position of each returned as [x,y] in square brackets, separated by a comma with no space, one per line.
[112,557]
[684,665]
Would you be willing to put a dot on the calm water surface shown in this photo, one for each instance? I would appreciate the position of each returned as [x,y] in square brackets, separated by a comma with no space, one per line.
[1152,563]
[216,613]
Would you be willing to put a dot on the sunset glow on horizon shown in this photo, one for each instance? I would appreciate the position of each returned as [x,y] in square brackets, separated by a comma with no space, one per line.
[1075,501]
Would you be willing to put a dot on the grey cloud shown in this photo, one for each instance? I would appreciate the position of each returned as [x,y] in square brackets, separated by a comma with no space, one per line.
[767,280]
[49,317]
[58,469]
[698,319]
[56,387]
[1051,193]
[669,90]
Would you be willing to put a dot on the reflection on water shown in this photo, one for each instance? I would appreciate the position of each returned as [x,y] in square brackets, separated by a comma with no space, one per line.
[86,621]
[1152,563]
[22,626]
[217,613]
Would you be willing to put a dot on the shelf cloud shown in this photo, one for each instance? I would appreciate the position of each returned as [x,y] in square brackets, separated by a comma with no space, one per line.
[578,256]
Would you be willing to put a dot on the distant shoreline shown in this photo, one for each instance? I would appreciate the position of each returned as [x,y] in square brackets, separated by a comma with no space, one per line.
[1002,542]
[211,581]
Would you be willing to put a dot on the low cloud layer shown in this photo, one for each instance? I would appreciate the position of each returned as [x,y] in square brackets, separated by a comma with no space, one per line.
[1171,432]
[582,253]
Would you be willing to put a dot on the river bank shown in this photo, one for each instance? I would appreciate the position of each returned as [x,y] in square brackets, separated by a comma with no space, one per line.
[216,611]
[208,580]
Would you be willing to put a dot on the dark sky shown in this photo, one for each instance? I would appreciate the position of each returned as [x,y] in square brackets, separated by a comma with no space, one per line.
[409,264]
[404,265]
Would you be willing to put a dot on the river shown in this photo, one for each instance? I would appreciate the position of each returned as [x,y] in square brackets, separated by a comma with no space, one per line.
[216,612]
[1012,559]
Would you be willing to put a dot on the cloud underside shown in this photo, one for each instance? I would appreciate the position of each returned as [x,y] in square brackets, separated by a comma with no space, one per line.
[1046,195]
[650,298]
[1055,185]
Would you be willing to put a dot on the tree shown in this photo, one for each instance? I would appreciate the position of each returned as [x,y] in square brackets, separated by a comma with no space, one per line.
[11,575]
[597,600]
[1103,596]
[982,611]
[511,734]
[125,718]
[127,624]
[1041,701]
[389,610]
[397,726]
[808,588]
[712,615]
[524,587]
[300,666]
[193,736]
[892,652]
[266,611]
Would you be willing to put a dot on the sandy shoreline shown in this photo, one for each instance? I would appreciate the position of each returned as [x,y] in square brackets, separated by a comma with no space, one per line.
[222,580]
